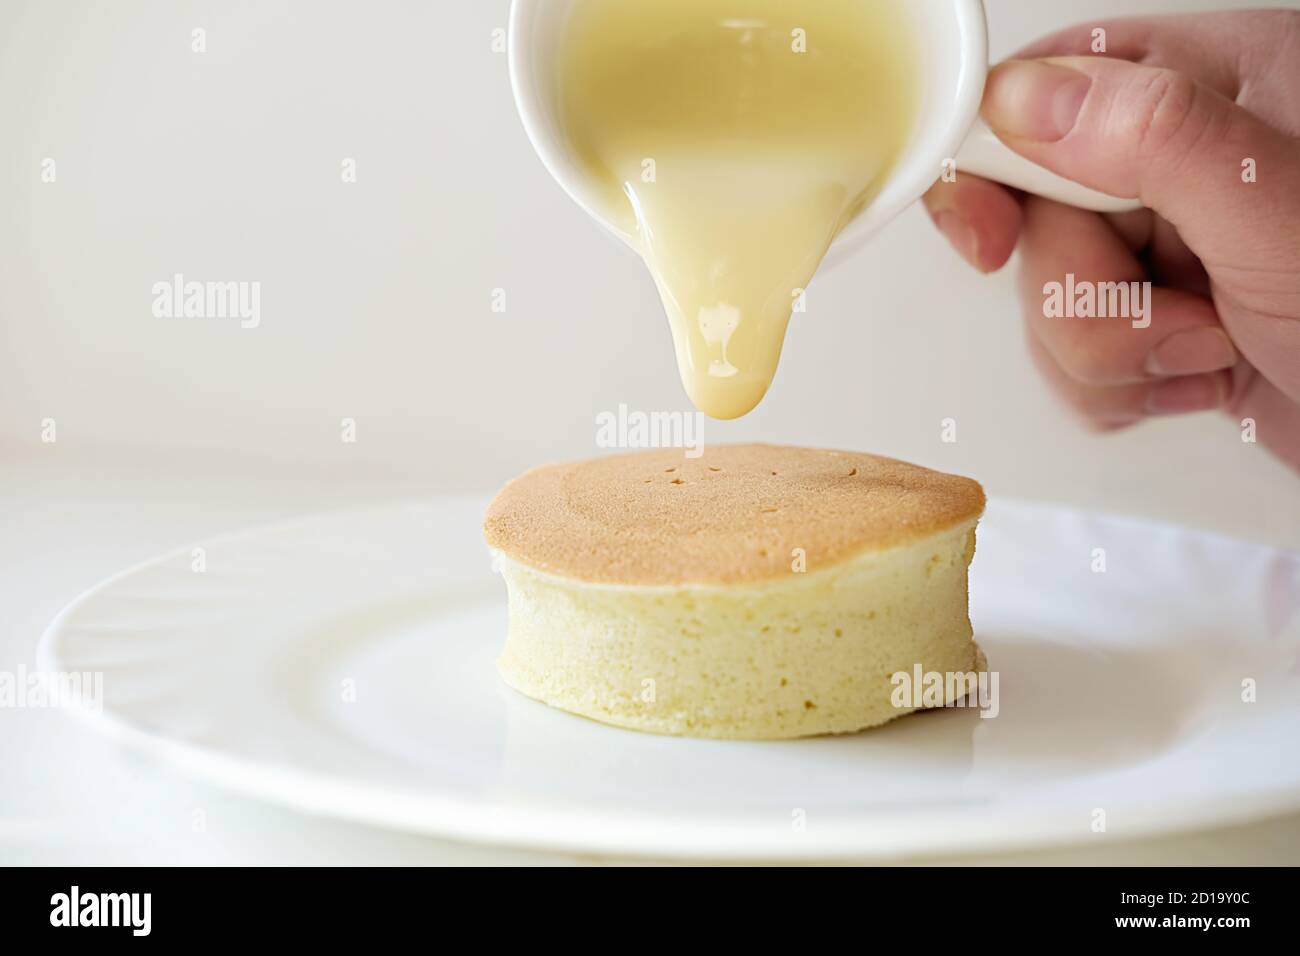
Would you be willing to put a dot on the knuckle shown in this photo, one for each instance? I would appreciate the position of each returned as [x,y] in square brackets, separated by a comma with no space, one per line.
[1162,109]
[1097,411]
[1096,423]
[1083,359]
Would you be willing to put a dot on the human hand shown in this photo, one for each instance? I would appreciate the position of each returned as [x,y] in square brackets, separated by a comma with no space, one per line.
[1177,113]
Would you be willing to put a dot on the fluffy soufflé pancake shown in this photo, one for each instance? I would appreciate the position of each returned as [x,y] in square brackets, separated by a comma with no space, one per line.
[755,592]
[732,515]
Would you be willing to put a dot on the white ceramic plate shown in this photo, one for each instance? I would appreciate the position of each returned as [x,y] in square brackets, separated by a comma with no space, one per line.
[343,664]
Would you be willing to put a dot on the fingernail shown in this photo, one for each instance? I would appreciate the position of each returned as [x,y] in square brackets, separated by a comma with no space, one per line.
[960,234]
[1029,99]
[1195,393]
[1111,423]
[1192,353]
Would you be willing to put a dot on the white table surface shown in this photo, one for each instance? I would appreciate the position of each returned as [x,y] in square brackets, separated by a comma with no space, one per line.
[73,798]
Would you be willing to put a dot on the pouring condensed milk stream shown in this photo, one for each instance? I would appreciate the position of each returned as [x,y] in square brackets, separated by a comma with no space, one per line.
[732,141]
[735,148]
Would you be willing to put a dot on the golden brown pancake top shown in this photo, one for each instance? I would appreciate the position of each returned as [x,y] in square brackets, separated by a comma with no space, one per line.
[736,514]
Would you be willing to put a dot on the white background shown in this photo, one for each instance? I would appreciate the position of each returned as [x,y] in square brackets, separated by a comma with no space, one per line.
[376,307]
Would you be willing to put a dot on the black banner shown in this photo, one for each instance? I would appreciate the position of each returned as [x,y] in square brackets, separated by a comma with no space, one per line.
[948,907]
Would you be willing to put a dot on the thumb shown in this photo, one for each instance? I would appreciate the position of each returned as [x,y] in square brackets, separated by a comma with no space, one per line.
[1157,135]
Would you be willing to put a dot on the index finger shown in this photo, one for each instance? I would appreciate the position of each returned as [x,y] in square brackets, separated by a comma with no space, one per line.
[1205,47]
